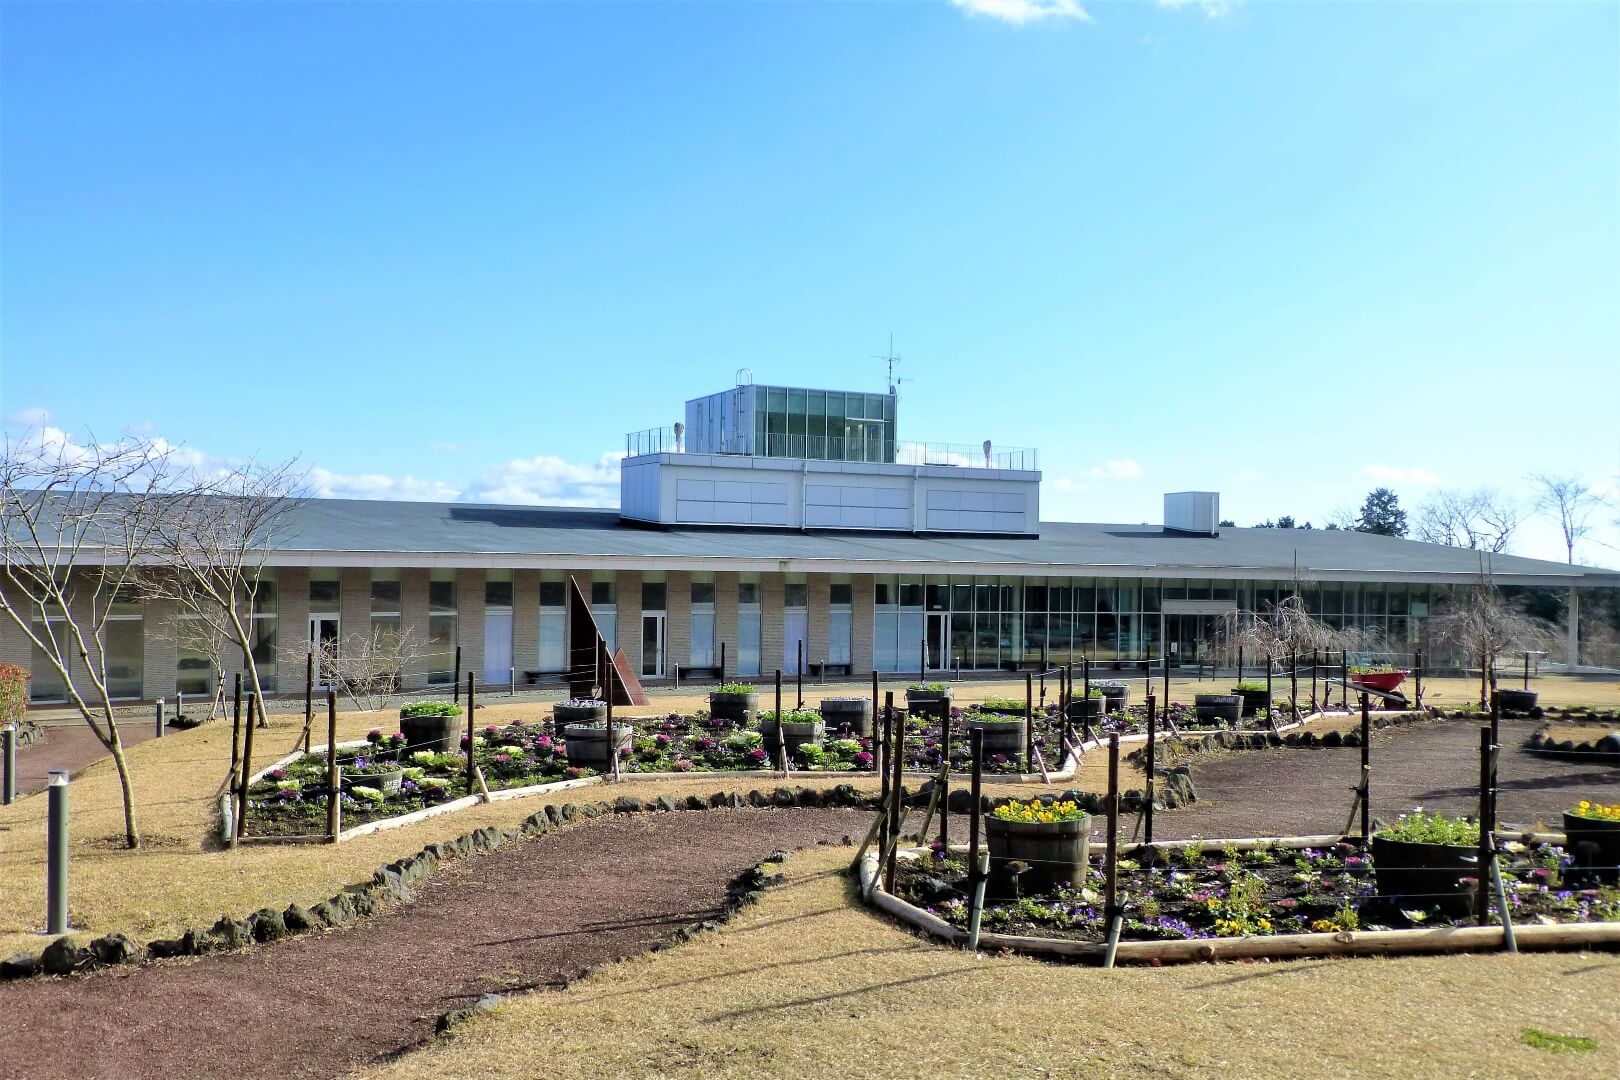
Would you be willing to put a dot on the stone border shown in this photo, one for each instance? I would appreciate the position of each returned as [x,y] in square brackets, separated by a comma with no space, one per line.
[1274,947]
[227,811]
[1604,751]
[393,882]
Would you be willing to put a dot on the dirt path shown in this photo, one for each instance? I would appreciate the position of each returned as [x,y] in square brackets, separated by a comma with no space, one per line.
[530,914]
[1432,765]
[71,747]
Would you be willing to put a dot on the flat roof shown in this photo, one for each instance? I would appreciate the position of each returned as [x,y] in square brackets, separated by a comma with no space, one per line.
[385,533]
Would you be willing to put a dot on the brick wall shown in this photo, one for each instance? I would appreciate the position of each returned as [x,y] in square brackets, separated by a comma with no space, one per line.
[354,607]
[818,615]
[159,654]
[470,622]
[413,623]
[863,615]
[525,621]
[627,626]
[771,588]
[725,620]
[678,627]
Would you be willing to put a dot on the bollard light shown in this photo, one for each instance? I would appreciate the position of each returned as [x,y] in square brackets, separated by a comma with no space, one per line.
[56,854]
[8,762]
[159,732]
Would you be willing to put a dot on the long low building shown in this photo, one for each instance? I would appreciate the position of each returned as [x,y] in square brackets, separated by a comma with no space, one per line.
[770,542]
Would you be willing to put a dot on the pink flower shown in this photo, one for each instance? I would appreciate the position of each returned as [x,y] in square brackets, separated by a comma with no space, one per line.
[682,765]
[757,754]
[863,760]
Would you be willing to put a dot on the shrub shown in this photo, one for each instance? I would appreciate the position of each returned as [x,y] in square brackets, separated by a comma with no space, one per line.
[1420,828]
[583,703]
[1003,704]
[1251,686]
[790,716]
[811,754]
[931,688]
[431,708]
[367,794]
[735,688]
[13,693]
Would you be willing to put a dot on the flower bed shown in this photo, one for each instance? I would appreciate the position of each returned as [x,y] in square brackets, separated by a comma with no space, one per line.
[1267,891]
[292,800]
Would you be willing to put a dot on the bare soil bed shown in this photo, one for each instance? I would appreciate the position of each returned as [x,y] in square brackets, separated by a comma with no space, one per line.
[536,913]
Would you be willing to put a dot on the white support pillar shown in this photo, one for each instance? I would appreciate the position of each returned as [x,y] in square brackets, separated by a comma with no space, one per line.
[1572,639]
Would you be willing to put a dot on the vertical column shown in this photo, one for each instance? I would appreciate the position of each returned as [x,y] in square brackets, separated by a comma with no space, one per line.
[1572,632]
[160,655]
[354,609]
[292,624]
[413,622]
[470,621]
[863,616]
[627,626]
[771,631]
[14,644]
[725,620]
[818,616]
[525,621]
[678,625]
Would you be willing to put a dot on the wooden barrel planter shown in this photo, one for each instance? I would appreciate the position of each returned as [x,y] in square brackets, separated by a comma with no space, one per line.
[935,703]
[797,733]
[1427,874]
[1055,852]
[738,709]
[1604,862]
[438,734]
[587,744]
[1086,708]
[852,714]
[1254,701]
[1218,708]
[1114,695]
[564,714]
[1516,702]
[386,782]
[1004,737]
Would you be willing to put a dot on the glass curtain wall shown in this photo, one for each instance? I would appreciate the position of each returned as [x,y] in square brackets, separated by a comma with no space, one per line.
[441,642]
[748,624]
[703,650]
[553,656]
[823,424]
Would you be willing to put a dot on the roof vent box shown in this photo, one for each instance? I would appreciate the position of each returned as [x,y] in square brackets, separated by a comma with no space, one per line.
[1197,513]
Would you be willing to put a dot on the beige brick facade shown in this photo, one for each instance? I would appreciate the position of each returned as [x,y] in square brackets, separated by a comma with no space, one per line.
[678,625]
[413,620]
[525,621]
[354,607]
[818,616]
[863,616]
[292,620]
[725,621]
[159,655]
[627,625]
[15,648]
[470,622]
[771,588]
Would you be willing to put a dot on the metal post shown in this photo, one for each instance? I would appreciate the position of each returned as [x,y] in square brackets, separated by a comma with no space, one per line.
[779,701]
[978,863]
[333,790]
[8,754]
[1111,912]
[309,696]
[56,858]
[1344,679]
[1029,724]
[880,759]
[1366,773]
[897,794]
[157,732]
[922,661]
[1483,885]
[1240,664]
[1085,674]
[723,664]
[1496,740]
[1152,742]
[472,704]
[247,766]
[874,702]
[945,786]
[798,662]
[1166,680]
[511,675]
[1526,673]
[1268,692]
[1509,942]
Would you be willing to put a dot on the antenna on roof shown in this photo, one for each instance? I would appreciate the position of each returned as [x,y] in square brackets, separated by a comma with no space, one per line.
[891,358]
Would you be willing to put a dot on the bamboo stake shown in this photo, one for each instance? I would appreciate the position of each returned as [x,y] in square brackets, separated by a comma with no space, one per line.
[332,789]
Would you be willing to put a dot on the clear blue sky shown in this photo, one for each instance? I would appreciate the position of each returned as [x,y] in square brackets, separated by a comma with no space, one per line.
[1284,251]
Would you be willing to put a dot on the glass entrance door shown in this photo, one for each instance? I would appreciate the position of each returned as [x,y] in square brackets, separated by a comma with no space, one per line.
[939,640]
[652,645]
[323,641]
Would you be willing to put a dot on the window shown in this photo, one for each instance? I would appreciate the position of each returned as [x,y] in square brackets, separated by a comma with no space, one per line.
[748,589]
[441,629]
[498,589]
[702,615]
[442,591]
[325,590]
[795,593]
[653,593]
[385,592]
[44,684]
[748,625]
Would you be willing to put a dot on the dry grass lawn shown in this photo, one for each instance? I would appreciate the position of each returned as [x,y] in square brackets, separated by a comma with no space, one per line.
[808,984]
[179,879]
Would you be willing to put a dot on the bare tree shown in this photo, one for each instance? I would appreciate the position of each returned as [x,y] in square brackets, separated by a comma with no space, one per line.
[1483,626]
[211,546]
[368,669]
[1283,630]
[1483,519]
[1570,502]
[76,523]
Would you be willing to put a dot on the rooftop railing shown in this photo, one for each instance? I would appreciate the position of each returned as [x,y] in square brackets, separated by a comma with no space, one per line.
[663,440]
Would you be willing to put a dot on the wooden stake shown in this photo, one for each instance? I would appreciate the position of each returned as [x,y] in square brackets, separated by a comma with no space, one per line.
[1366,773]
[1483,885]
[897,791]
[945,785]
[1111,911]
[309,696]
[247,767]
[472,704]
[1029,723]
[1152,778]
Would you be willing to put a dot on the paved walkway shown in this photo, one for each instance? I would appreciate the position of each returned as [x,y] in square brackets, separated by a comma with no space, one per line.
[70,746]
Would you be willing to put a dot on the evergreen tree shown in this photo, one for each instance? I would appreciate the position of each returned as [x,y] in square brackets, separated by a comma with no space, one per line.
[1382,514]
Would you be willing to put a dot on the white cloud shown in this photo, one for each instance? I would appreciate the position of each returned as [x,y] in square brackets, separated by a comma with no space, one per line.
[326,484]
[1212,9]
[1019,12]
[550,481]
[1067,486]
[30,418]
[1399,474]
[1117,469]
